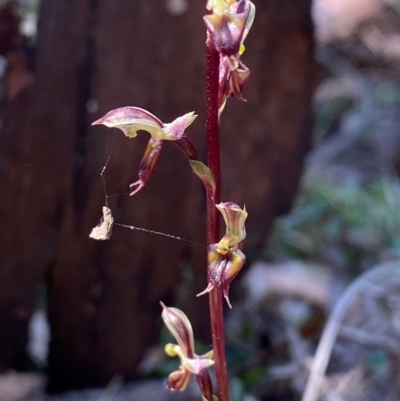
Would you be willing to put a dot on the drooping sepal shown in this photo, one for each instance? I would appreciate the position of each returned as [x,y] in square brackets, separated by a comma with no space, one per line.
[191,364]
[147,164]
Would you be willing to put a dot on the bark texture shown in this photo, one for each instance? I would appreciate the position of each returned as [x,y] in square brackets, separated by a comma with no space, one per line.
[95,55]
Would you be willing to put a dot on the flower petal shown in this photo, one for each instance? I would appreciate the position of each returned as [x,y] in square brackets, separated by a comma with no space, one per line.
[196,365]
[219,6]
[235,218]
[222,269]
[204,381]
[179,326]
[238,80]
[249,9]
[178,380]
[226,31]
[130,120]
[175,130]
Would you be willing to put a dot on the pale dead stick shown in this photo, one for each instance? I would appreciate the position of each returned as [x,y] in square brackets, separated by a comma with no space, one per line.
[331,330]
[112,388]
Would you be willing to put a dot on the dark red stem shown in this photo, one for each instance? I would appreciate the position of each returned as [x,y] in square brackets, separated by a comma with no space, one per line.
[213,219]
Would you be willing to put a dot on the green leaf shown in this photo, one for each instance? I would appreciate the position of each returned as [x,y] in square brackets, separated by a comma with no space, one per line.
[203,172]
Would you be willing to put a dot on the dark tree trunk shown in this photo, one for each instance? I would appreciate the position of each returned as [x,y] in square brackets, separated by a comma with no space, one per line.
[95,55]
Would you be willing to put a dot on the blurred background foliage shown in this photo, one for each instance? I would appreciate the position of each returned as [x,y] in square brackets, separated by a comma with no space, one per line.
[350,226]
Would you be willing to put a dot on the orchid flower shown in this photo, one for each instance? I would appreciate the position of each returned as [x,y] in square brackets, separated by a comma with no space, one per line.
[130,120]
[225,259]
[191,364]
[228,25]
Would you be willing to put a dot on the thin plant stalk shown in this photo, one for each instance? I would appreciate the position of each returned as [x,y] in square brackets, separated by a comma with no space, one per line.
[213,146]
[213,219]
